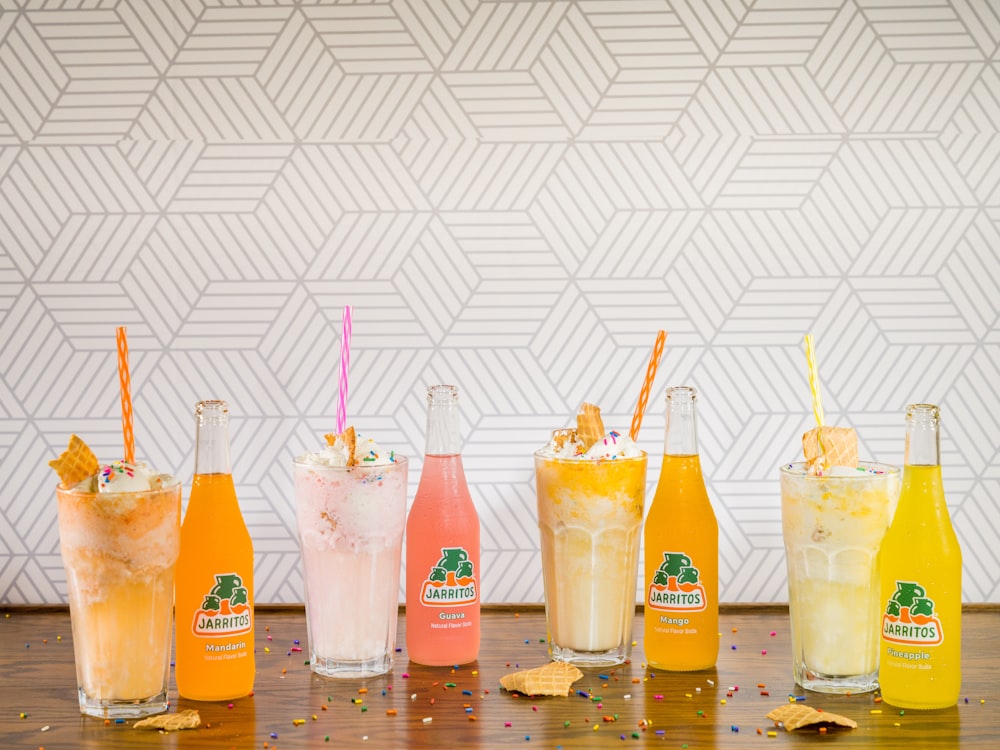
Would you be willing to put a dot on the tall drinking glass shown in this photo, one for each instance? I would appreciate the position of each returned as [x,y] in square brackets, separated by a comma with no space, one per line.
[590,518]
[833,526]
[351,521]
[119,550]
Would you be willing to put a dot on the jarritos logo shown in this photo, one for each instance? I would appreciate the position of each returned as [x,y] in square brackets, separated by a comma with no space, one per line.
[909,617]
[225,609]
[676,586]
[452,581]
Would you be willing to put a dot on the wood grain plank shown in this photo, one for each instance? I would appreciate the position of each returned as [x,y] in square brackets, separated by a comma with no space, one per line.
[37,677]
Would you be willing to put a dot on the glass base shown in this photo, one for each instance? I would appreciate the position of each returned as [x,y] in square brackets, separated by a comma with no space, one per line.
[351,669]
[610,658]
[836,684]
[123,709]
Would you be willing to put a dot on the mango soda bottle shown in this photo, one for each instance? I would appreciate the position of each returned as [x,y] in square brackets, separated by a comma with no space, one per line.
[681,548]
[442,547]
[921,580]
[214,576]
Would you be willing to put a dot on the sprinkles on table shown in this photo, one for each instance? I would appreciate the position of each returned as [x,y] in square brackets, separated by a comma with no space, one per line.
[596,721]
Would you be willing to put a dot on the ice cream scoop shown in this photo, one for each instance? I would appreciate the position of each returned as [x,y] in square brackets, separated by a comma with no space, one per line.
[122,476]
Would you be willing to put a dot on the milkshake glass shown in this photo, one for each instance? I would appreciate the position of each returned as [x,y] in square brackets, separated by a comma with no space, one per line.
[833,526]
[590,518]
[351,521]
[119,550]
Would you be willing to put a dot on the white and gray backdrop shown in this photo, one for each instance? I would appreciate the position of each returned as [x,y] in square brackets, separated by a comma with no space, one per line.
[514,196]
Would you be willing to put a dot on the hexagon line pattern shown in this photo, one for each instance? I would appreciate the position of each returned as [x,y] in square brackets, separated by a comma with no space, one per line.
[514,196]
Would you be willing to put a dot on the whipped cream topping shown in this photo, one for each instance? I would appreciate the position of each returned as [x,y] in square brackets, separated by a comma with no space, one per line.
[613,445]
[366,453]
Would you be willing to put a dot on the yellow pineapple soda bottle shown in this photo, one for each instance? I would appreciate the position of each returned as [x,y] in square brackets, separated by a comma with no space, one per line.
[681,542]
[921,580]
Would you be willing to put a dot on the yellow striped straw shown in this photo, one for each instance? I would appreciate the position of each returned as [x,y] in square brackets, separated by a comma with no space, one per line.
[814,380]
[816,400]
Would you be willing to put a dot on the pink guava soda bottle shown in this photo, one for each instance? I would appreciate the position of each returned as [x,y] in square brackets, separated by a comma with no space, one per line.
[442,547]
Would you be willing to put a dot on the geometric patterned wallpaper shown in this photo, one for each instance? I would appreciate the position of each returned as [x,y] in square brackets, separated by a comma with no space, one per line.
[514,196]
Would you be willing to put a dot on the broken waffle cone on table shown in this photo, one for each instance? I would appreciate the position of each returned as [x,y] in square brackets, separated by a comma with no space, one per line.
[797,715]
[839,448]
[350,440]
[589,426]
[553,678]
[76,463]
[187,719]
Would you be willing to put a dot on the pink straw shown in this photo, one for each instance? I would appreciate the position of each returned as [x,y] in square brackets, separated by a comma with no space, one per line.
[345,364]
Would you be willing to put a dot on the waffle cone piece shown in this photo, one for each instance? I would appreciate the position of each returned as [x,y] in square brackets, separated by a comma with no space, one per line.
[796,715]
[189,719]
[76,463]
[589,426]
[840,448]
[350,440]
[553,678]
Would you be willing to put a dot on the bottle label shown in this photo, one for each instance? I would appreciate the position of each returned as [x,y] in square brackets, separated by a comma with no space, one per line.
[909,617]
[676,585]
[225,610]
[451,582]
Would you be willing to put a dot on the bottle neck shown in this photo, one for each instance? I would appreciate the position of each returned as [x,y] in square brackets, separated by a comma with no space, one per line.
[923,431]
[681,437]
[211,454]
[443,438]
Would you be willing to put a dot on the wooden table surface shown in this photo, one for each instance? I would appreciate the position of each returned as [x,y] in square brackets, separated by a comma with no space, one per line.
[683,710]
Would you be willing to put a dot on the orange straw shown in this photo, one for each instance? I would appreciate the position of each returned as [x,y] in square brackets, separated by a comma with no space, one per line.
[647,384]
[126,389]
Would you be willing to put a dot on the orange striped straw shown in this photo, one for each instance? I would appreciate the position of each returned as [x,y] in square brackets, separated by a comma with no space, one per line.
[647,384]
[126,389]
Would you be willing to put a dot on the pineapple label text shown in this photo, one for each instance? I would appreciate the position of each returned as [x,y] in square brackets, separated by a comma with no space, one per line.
[909,656]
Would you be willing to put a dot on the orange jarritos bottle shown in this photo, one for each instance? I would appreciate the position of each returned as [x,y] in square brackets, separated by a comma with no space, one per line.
[921,580]
[214,576]
[681,539]
[442,547]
